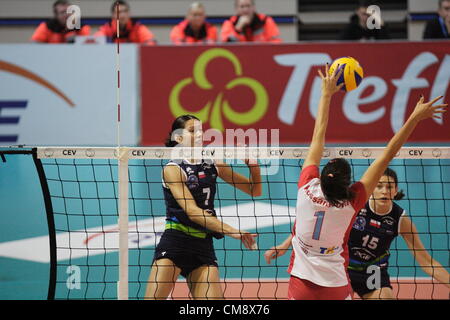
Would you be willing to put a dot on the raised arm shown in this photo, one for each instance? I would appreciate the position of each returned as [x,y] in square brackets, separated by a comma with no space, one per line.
[409,233]
[175,181]
[251,185]
[421,112]
[320,128]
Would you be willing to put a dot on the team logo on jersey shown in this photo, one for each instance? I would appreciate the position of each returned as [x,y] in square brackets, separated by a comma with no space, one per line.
[201,174]
[387,224]
[192,182]
[189,170]
[363,255]
[375,223]
[328,250]
[360,223]
[206,165]
[388,220]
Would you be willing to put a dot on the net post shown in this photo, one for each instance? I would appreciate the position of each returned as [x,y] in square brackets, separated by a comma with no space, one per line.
[122,285]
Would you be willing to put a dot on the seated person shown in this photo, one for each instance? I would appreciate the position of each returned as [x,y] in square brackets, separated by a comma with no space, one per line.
[130,31]
[194,29]
[358,28]
[55,30]
[249,26]
[439,28]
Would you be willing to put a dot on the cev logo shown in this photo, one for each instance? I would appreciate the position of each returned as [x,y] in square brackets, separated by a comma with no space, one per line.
[213,110]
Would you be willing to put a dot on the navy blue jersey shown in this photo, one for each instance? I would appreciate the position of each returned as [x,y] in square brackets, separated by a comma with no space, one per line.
[201,182]
[371,238]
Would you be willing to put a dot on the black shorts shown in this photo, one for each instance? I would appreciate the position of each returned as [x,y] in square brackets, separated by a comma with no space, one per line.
[186,252]
[360,281]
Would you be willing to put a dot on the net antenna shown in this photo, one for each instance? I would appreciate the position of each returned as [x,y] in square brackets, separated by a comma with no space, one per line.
[122,285]
[118,72]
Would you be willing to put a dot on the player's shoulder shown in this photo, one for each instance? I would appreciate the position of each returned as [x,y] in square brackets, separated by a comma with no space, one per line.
[173,165]
[314,181]
[357,186]
[366,207]
[310,172]
[311,187]
[397,210]
[360,191]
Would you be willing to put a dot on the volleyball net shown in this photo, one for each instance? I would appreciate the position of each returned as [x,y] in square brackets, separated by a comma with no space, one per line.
[106,213]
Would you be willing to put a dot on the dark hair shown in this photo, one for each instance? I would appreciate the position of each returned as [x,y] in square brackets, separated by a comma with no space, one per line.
[392,174]
[441,2]
[120,3]
[59,3]
[365,3]
[335,181]
[178,123]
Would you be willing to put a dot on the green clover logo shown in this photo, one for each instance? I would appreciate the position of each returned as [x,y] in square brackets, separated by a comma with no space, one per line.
[214,110]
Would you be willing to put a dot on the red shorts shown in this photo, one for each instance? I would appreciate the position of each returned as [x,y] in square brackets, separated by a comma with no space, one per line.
[301,289]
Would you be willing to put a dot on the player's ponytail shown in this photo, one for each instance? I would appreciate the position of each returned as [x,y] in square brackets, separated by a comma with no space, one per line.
[178,123]
[335,181]
[392,174]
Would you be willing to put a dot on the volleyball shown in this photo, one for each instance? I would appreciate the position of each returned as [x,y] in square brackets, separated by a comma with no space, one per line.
[352,75]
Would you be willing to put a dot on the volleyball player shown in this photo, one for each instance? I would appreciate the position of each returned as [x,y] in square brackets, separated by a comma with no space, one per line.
[186,246]
[374,229]
[327,204]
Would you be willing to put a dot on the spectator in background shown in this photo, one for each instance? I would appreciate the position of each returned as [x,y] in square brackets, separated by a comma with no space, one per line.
[249,26]
[439,28]
[194,29]
[55,30]
[130,30]
[358,28]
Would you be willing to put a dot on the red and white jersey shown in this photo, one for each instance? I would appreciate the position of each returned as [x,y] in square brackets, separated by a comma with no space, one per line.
[321,231]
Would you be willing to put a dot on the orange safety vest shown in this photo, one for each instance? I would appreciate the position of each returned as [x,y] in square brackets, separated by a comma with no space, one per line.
[262,29]
[52,32]
[183,33]
[134,32]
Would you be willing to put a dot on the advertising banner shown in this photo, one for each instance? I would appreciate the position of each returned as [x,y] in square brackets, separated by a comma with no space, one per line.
[262,88]
[66,95]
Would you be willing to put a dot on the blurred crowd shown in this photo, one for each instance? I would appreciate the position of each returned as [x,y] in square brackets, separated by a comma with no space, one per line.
[247,25]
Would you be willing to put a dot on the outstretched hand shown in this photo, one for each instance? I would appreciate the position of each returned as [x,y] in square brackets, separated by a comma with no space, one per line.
[273,253]
[425,110]
[247,238]
[329,81]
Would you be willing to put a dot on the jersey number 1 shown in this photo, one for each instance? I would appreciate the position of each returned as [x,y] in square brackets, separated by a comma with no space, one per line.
[318,226]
